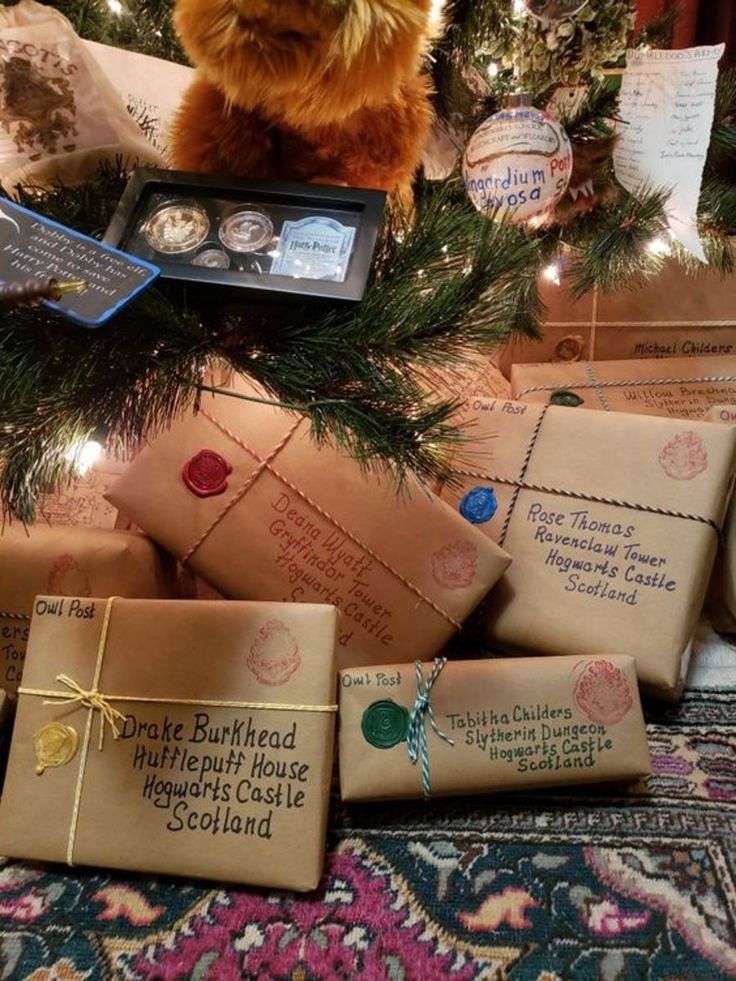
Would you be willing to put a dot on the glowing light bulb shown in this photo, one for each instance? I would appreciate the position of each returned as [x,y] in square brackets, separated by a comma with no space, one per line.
[435,13]
[519,8]
[492,69]
[115,7]
[552,273]
[83,455]
[659,246]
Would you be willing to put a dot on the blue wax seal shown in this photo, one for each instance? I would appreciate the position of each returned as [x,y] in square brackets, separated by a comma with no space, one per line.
[479,505]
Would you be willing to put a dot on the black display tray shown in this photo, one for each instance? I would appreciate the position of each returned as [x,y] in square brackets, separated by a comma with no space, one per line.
[274,239]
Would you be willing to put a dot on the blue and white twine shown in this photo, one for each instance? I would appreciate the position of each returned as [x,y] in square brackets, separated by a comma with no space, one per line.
[416,737]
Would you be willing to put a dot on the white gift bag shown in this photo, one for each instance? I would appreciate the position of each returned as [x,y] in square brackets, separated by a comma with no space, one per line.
[59,114]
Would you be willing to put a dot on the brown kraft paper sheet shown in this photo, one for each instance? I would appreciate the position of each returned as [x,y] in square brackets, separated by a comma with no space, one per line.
[519,722]
[612,521]
[69,562]
[286,520]
[672,315]
[217,791]
[677,387]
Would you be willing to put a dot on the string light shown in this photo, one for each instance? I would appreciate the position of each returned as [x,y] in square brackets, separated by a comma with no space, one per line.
[83,455]
[659,246]
[493,69]
[552,273]
[519,8]
[115,7]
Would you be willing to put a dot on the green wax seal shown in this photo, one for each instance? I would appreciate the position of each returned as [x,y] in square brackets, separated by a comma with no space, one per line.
[385,724]
[563,397]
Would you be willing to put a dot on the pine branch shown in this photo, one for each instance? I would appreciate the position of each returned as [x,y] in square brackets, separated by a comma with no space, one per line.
[598,110]
[610,245]
[476,33]
[143,25]
[659,32]
[451,283]
[723,133]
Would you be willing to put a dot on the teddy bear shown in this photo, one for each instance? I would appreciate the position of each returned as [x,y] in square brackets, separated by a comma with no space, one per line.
[328,91]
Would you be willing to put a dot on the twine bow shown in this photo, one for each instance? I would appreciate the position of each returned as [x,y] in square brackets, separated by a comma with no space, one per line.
[416,737]
[91,699]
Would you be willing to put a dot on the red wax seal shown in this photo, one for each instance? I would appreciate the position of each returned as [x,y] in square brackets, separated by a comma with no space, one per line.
[206,473]
[454,566]
[603,693]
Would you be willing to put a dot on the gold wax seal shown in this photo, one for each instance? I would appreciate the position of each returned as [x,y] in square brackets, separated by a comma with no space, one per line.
[55,745]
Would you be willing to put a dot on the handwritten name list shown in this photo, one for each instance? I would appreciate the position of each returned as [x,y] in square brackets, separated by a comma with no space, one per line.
[667,100]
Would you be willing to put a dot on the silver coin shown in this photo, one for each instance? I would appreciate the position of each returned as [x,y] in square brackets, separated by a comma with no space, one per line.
[176,227]
[245,230]
[212,259]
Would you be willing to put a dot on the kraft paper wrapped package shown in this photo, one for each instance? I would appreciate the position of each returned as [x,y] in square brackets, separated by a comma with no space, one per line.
[495,724]
[613,522]
[242,495]
[672,315]
[69,562]
[475,374]
[721,603]
[7,713]
[224,714]
[677,387]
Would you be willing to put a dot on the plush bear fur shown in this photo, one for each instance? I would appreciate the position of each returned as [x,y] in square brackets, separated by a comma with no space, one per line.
[315,90]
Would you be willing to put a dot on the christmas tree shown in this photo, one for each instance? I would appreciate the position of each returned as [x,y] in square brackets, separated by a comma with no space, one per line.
[446,278]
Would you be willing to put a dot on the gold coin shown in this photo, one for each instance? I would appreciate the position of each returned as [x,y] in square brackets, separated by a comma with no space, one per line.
[177,227]
[55,745]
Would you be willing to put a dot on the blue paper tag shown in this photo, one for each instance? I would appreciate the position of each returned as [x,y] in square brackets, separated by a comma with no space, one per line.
[31,245]
[314,248]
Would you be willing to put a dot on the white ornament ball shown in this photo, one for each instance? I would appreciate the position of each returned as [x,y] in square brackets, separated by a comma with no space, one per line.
[517,164]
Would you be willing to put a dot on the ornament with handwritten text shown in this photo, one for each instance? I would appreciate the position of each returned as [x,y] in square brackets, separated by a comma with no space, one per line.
[517,164]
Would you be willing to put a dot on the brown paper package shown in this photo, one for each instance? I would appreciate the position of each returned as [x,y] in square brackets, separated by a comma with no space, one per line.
[294,522]
[680,388]
[721,602]
[613,524]
[672,315]
[675,387]
[475,374]
[519,722]
[210,790]
[69,562]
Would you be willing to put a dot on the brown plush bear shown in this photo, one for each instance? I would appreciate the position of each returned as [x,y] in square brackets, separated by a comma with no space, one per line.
[316,90]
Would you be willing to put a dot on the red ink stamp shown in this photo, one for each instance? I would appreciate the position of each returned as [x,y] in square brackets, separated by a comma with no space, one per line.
[684,457]
[455,565]
[603,693]
[67,578]
[206,473]
[274,654]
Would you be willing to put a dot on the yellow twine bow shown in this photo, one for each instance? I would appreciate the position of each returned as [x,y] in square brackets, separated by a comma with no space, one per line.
[91,699]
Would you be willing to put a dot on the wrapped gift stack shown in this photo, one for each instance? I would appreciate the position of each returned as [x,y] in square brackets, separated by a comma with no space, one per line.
[259,603]
[209,723]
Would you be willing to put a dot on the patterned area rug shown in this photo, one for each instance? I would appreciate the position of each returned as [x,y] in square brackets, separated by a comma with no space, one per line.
[605,884]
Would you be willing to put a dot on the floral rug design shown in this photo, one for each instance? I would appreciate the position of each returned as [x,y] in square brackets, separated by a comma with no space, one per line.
[611,883]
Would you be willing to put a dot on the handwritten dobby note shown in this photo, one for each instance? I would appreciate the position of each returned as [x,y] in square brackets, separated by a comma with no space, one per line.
[667,106]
